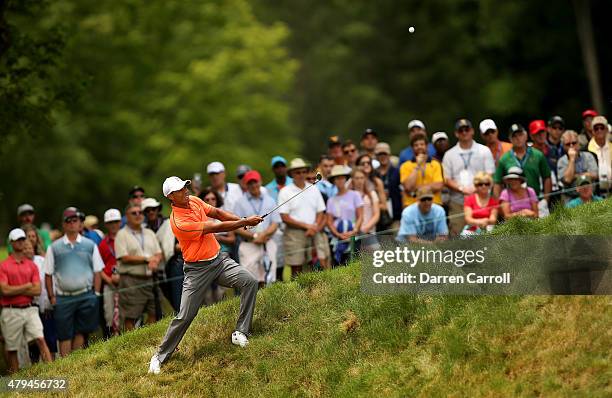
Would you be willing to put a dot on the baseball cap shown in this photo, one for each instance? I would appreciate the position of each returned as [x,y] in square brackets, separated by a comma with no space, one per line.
[424,192]
[382,147]
[278,159]
[173,184]
[462,123]
[70,212]
[24,208]
[369,132]
[589,112]
[536,126]
[252,175]
[149,203]
[516,128]
[112,215]
[136,188]
[583,180]
[241,170]
[16,234]
[556,119]
[486,125]
[333,141]
[416,123]
[214,168]
[440,135]
[599,120]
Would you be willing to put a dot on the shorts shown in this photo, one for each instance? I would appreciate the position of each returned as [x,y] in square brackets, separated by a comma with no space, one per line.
[75,315]
[252,258]
[298,247]
[136,296]
[20,324]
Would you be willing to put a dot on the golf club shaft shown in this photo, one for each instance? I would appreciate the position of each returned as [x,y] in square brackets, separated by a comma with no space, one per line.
[279,206]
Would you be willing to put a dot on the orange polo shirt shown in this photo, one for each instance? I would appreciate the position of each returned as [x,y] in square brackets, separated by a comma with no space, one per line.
[195,245]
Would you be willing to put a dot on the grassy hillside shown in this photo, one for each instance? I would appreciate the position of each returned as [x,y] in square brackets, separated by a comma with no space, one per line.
[320,336]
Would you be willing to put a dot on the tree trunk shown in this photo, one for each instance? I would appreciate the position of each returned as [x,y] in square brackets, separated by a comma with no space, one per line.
[582,9]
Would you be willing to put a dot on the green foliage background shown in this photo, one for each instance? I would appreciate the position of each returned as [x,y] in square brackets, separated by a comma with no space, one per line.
[98,96]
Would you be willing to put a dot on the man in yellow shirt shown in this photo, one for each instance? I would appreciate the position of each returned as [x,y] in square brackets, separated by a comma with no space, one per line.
[419,172]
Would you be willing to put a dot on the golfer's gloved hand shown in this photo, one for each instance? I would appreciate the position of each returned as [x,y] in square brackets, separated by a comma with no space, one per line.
[253,220]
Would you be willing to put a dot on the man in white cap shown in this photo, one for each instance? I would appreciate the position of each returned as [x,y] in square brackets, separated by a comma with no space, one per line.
[110,276]
[489,133]
[19,284]
[26,216]
[230,191]
[415,127]
[204,264]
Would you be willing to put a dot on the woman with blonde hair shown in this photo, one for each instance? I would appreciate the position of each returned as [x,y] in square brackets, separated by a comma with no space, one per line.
[480,209]
[34,238]
[371,210]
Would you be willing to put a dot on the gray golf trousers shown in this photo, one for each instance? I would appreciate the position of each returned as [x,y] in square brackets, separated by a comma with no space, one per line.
[198,277]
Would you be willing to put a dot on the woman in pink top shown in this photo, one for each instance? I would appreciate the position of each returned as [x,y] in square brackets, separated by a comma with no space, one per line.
[371,210]
[517,200]
[480,208]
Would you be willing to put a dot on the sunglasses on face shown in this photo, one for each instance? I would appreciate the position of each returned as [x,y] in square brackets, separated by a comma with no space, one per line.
[573,143]
[557,128]
[425,199]
[483,184]
[150,209]
[490,131]
[310,179]
[135,213]
[464,129]
[346,152]
[599,127]
[71,220]
[365,163]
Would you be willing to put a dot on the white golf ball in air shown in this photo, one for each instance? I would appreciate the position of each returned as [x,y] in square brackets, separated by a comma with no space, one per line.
[411,29]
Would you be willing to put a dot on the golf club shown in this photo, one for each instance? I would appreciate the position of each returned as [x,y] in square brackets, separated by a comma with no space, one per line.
[318,178]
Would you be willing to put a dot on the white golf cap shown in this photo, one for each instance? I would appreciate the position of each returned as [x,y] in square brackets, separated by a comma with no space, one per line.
[112,215]
[215,167]
[487,124]
[16,234]
[149,202]
[416,123]
[173,184]
[440,135]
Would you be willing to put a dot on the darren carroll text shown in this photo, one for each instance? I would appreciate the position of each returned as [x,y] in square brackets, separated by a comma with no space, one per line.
[425,278]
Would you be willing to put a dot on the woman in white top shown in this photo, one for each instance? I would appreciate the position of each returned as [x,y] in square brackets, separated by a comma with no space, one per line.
[371,210]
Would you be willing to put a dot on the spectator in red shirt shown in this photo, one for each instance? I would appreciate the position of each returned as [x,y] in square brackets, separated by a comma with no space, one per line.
[480,208]
[110,277]
[19,283]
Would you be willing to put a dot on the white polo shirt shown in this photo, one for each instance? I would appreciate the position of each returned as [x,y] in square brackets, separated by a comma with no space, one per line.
[461,165]
[303,208]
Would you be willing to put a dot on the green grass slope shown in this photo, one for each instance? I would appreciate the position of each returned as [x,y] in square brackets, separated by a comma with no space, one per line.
[320,336]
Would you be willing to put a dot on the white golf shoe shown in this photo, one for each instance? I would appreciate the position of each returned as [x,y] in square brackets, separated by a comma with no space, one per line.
[239,338]
[155,365]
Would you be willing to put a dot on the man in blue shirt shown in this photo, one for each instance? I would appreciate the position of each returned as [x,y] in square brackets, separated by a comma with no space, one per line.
[257,250]
[423,221]
[281,179]
[415,127]
[585,192]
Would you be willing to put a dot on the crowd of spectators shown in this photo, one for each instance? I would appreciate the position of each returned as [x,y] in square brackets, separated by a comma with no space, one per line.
[60,288]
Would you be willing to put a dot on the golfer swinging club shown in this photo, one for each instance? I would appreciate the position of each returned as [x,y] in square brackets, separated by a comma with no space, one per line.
[204,264]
